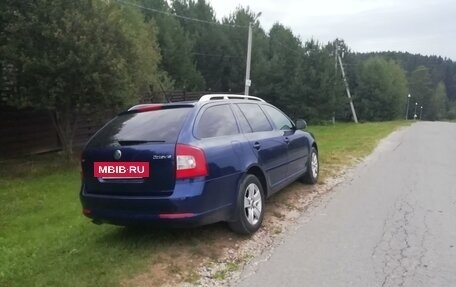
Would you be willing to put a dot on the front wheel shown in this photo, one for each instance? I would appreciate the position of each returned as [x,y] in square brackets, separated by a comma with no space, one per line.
[250,206]
[313,168]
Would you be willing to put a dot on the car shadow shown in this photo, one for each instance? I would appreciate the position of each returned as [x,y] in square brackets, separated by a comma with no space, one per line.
[167,237]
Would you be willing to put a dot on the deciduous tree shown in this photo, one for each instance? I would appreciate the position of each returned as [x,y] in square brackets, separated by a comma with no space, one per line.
[72,56]
[382,90]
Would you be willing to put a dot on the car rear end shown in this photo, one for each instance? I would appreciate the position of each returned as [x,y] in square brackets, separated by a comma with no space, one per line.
[134,171]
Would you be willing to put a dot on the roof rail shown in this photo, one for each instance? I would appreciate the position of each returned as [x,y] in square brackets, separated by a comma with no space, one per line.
[228,97]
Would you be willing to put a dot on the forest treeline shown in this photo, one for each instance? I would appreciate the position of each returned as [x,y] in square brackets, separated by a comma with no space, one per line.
[70,56]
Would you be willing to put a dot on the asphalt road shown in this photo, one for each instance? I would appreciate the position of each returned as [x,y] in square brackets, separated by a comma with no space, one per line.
[392,224]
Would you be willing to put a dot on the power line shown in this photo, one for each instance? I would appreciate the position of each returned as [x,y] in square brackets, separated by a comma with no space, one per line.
[179,16]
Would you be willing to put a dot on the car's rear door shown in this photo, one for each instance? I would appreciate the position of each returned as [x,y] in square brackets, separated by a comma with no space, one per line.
[218,134]
[267,143]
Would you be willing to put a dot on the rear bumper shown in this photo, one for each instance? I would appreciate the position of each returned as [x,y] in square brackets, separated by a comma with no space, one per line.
[191,204]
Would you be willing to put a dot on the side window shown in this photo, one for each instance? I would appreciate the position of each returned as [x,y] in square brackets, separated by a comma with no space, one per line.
[256,117]
[217,121]
[278,118]
[244,125]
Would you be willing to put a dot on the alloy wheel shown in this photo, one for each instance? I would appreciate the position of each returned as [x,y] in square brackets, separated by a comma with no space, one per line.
[252,203]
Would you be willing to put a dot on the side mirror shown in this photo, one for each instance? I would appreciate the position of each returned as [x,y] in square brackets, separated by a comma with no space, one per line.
[301,124]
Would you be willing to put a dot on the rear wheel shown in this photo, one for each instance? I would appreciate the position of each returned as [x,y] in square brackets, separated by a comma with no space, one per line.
[313,168]
[250,206]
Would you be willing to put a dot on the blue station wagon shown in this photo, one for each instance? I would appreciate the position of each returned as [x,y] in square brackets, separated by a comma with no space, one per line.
[187,164]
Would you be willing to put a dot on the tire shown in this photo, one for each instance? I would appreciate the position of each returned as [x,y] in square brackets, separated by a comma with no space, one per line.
[249,211]
[313,168]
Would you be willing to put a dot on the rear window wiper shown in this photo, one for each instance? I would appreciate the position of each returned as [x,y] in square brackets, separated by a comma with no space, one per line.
[138,142]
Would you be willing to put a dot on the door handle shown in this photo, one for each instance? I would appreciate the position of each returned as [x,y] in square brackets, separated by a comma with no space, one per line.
[256,146]
[287,140]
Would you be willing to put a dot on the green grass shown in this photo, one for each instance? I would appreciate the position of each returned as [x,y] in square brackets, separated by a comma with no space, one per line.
[230,267]
[45,241]
[342,143]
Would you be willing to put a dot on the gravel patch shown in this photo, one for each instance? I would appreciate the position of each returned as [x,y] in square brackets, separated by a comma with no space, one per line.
[282,211]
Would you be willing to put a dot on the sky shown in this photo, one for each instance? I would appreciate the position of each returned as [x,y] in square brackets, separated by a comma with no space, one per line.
[415,26]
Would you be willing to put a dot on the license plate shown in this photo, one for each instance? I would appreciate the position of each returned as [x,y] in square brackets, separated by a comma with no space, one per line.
[121,169]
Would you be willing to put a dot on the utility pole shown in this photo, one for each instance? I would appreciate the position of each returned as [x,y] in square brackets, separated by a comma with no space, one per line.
[249,58]
[334,90]
[408,102]
[336,52]
[352,107]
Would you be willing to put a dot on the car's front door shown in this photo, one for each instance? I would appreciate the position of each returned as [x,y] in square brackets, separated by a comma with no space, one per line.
[297,142]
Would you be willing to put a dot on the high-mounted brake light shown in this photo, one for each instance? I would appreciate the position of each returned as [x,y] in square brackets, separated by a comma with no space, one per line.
[190,162]
[147,108]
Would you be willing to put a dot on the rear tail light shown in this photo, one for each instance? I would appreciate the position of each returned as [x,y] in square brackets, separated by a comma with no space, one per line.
[190,162]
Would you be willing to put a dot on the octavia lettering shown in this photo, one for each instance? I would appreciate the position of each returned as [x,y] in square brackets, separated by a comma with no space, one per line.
[121,169]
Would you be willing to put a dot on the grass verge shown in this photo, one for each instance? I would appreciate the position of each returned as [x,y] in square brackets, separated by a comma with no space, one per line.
[340,144]
[45,241]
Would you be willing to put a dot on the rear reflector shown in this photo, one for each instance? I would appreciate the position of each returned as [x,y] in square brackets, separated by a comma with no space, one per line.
[190,162]
[175,215]
[86,211]
[80,166]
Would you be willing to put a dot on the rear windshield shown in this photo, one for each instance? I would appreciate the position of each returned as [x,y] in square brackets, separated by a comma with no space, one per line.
[161,126]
